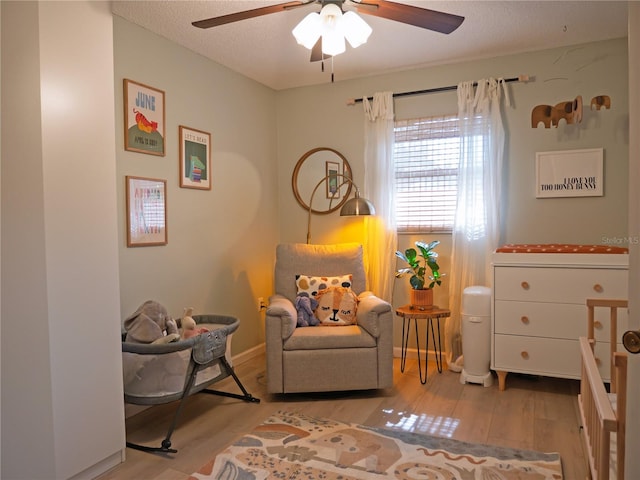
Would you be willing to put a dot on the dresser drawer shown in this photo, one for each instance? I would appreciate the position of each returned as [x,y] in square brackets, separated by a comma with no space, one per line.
[558,285]
[540,319]
[554,320]
[543,356]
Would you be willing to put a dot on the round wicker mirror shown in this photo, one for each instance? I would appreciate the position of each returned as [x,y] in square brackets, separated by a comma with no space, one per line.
[314,166]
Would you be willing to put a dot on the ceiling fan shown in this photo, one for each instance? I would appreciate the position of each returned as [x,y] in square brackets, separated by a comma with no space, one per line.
[409,14]
[420,17]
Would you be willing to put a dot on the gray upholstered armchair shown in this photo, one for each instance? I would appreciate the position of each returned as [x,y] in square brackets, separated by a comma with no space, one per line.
[326,358]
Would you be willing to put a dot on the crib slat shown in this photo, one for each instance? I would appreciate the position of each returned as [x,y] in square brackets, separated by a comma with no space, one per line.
[618,376]
[598,417]
[600,397]
[620,361]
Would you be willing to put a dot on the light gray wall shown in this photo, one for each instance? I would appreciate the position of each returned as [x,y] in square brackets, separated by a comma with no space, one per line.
[221,242]
[62,409]
[318,116]
[28,273]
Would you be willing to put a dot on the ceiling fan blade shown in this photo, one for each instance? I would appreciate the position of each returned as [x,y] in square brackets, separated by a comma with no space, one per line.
[417,16]
[316,52]
[256,12]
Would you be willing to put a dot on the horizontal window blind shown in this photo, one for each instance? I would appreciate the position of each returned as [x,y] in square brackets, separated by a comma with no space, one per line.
[426,154]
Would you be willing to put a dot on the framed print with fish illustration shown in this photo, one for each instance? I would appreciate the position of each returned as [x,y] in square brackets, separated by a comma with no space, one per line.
[195,158]
[146,211]
[144,119]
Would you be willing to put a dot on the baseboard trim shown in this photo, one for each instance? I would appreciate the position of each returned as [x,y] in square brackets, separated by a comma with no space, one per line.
[261,348]
[248,354]
[101,467]
[413,353]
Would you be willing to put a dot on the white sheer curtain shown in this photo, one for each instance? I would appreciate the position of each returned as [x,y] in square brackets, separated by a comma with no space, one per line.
[476,231]
[379,187]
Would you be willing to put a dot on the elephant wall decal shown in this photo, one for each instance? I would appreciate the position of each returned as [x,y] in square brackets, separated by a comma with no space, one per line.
[600,101]
[570,111]
[541,113]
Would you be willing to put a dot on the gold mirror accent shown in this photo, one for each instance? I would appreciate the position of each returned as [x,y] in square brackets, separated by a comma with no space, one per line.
[312,167]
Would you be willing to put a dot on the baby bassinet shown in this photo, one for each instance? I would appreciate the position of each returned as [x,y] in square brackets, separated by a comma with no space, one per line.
[157,374]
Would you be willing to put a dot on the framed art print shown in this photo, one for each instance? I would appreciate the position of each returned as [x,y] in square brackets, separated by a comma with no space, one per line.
[333,181]
[146,211]
[144,118]
[195,158]
[570,173]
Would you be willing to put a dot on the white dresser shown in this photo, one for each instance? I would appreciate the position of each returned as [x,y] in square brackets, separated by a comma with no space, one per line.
[539,310]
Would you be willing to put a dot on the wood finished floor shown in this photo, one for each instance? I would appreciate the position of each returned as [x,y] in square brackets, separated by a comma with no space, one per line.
[535,413]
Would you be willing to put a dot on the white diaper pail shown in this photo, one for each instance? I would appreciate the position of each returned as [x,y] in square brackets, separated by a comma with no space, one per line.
[476,335]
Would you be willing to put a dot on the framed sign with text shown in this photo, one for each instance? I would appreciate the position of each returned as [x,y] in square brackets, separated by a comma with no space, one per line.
[570,173]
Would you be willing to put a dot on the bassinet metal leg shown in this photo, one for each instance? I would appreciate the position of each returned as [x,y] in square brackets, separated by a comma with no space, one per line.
[246,396]
[164,449]
[191,378]
[166,443]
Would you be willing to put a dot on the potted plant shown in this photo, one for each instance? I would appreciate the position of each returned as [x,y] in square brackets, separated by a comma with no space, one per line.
[421,262]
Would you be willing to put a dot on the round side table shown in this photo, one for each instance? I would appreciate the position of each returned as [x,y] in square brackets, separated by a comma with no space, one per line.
[409,313]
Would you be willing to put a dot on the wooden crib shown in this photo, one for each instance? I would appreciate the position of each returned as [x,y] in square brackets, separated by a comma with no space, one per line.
[603,413]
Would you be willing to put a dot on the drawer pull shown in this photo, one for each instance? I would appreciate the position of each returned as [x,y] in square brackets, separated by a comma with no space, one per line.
[597,325]
[598,288]
[525,285]
[598,362]
[525,320]
[525,355]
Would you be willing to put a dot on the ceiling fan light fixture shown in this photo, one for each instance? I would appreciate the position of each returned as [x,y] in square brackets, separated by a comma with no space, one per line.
[308,31]
[330,15]
[333,43]
[332,34]
[334,27]
[355,29]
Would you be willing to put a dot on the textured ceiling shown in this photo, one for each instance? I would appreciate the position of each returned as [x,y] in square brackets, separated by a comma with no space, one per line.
[263,48]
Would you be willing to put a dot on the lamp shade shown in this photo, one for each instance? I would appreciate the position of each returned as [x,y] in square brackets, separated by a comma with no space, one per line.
[357,206]
[308,31]
[333,43]
[331,14]
[355,30]
[332,35]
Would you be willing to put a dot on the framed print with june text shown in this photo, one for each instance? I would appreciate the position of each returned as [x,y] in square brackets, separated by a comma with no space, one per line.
[195,158]
[146,211]
[144,118]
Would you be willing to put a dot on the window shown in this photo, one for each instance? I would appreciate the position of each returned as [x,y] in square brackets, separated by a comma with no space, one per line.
[426,153]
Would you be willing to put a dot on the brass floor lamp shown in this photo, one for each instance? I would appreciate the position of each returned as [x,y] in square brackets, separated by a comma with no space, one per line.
[354,206]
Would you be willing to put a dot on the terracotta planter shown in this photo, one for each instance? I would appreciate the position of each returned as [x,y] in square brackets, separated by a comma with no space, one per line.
[422,299]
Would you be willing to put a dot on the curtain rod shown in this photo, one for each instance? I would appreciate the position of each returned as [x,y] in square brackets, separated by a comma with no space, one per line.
[519,78]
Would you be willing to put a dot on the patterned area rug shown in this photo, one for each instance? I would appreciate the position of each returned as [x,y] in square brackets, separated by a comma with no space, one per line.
[295,446]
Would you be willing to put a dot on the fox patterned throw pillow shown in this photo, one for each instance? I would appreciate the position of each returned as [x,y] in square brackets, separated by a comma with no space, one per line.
[337,306]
